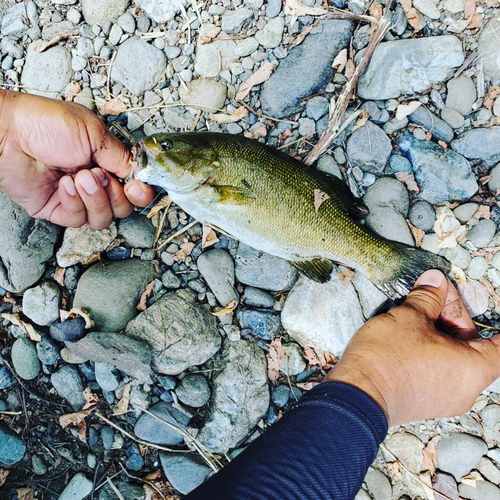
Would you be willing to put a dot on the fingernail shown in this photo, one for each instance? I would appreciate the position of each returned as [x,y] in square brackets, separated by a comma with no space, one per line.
[136,192]
[432,278]
[88,182]
[68,185]
[101,176]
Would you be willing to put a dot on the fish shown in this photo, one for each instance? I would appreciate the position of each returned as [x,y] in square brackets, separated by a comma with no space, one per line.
[278,205]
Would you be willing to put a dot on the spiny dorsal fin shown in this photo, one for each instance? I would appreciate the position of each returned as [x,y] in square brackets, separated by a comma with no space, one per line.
[319,270]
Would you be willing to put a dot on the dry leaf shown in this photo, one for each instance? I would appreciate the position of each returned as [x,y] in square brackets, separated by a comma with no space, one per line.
[25,494]
[209,35]
[185,250]
[142,305]
[474,22]
[469,9]
[409,180]
[483,212]
[350,68]
[260,76]
[307,386]
[319,198]
[340,61]
[346,276]
[443,144]
[75,312]
[226,310]
[458,275]
[429,454]
[417,233]
[59,275]
[239,114]
[92,259]
[395,470]
[165,202]
[376,11]
[472,478]
[286,134]
[404,110]
[484,180]
[28,329]
[77,420]
[258,132]
[274,357]
[295,8]
[302,35]
[123,405]
[209,237]
[3,476]
[415,19]
[363,118]
[114,107]
[52,41]
[311,356]
[72,91]
[90,398]
[493,93]
[426,482]
[328,360]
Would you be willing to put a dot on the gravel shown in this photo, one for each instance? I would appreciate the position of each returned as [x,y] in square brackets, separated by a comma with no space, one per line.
[233,20]
[270,35]
[439,128]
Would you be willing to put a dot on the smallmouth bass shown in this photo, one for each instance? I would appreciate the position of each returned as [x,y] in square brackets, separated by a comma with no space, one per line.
[278,205]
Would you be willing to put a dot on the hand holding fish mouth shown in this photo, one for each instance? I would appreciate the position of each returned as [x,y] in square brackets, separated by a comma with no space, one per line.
[423,359]
[59,162]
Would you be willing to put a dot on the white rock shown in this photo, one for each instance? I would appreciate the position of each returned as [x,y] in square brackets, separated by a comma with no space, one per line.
[370,297]
[454,6]
[101,11]
[214,57]
[407,448]
[427,8]
[77,489]
[161,11]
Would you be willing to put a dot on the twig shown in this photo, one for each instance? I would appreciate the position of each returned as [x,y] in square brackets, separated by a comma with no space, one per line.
[489,327]
[11,412]
[160,227]
[115,489]
[303,138]
[265,117]
[346,14]
[178,233]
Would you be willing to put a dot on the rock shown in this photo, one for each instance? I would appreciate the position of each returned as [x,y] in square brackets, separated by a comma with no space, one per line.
[370,297]
[246,47]
[129,491]
[427,8]
[378,485]
[323,316]
[464,212]
[41,303]
[233,20]
[240,396]
[205,94]
[184,472]
[307,65]
[70,330]
[437,127]
[193,391]
[161,11]
[490,416]
[459,453]
[78,488]
[482,233]
[128,355]
[481,491]
[257,298]
[369,148]
[134,461]
[138,65]
[422,215]
[137,231]
[479,143]
[293,361]
[270,35]
[68,384]
[188,338]
[47,73]
[281,395]
[26,245]
[80,243]
[214,57]
[388,192]
[306,126]
[475,297]
[6,378]
[106,376]
[316,108]
[127,22]
[25,358]
[444,484]
[273,8]
[488,47]
[477,267]
[111,293]
[407,448]
[494,182]
[261,270]
[102,11]
[461,94]
[39,466]
[13,20]
[409,66]
[488,469]
[47,351]
[12,448]
[452,117]
[170,280]
[442,175]
[458,256]
[152,430]
[264,324]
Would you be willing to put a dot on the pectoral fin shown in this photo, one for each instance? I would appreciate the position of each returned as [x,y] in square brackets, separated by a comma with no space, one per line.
[319,270]
[233,195]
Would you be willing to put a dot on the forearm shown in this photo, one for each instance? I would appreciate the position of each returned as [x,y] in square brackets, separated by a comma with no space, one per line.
[321,448]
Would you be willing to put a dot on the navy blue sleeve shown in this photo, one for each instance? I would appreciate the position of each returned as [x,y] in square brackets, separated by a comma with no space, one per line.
[320,449]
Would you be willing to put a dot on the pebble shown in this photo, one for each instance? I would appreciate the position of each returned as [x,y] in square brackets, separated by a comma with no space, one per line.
[453,118]
[134,461]
[78,488]
[370,298]
[255,297]
[307,127]
[490,417]
[107,436]
[193,391]
[280,395]
[273,8]
[184,472]
[488,46]
[461,94]
[25,359]
[388,192]
[488,469]
[479,143]
[264,324]
[458,256]
[68,384]
[481,491]
[12,448]
[293,361]
[205,94]
[378,485]
[422,215]
[6,378]
[170,280]
[270,35]
[70,330]
[41,304]
[127,22]
[482,233]
[329,165]
[47,351]
[439,128]
[477,267]
[495,261]
[465,211]
[137,231]
[13,21]
[233,20]
[407,448]
[475,297]
[106,376]
[444,484]
[427,8]
[494,182]
[211,58]
[39,466]
[246,47]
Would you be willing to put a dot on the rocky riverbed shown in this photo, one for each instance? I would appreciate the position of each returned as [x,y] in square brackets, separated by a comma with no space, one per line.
[105,334]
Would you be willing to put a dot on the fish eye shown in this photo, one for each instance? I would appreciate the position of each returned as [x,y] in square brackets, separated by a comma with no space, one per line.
[166,145]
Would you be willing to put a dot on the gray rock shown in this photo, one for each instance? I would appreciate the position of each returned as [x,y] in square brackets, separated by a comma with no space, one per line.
[128,355]
[409,66]
[378,485]
[68,384]
[273,8]
[458,256]
[306,126]
[407,448]
[452,117]
[41,303]
[240,397]
[292,362]
[129,491]
[490,417]
[233,20]
[442,175]
[127,22]
[264,324]
[111,293]
[106,376]
[464,212]
[102,11]
[181,332]
[489,470]
[388,192]
[86,98]
[370,297]
[461,94]
[323,316]
[390,225]
[246,47]
[205,94]
[152,429]
[214,57]
[39,466]
[80,243]
[317,107]
[444,484]
[257,298]
[161,11]
[329,165]
[494,182]
[217,267]
[70,330]
[488,47]
[422,215]
[270,35]
[400,163]
[477,267]
[308,66]
[459,453]
[479,143]
[137,231]
[13,22]
[78,488]
[261,270]
[475,297]
[138,65]
[193,391]
[184,472]
[25,358]
[481,491]
[437,127]
[482,233]
[12,448]
[47,351]
[170,280]
[6,378]
[394,125]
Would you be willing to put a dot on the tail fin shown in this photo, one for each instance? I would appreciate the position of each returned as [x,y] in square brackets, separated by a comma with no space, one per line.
[412,264]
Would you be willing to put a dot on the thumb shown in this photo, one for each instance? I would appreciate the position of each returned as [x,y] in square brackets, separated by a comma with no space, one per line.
[429,294]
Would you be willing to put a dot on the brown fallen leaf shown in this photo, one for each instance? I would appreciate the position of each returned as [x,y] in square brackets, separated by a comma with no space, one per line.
[53,41]
[295,8]
[340,61]
[3,476]
[209,237]
[475,22]
[25,494]
[346,276]
[209,35]
[483,212]
[409,180]
[376,11]
[301,37]
[415,19]
[92,259]
[469,9]
[260,131]
[226,310]
[90,398]
[122,406]
[361,122]
[274,357]
[429,454]
[311,356]
[319,198]
[418,233]
[28,329]
[260,76]
[286,134]
[114,107]
[239,114]
[493,93]
[307,386]
[59,275]
[142,305]
[443,144]
[184,251]
[72,91]
[77,420]
[165,202]
[75,312]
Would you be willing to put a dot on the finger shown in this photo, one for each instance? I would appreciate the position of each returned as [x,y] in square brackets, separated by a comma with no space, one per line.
[429,294]
[119,203]
[139,194]
[95,198]
[71,211]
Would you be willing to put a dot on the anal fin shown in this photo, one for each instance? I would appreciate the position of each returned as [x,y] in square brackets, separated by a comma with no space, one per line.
[319,270]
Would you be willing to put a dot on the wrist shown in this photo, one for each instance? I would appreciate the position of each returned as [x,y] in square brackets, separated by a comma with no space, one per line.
[4,118]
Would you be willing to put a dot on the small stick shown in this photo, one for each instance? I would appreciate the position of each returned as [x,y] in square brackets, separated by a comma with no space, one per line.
[170,238]
[265,117]
[142,480]
[115,489]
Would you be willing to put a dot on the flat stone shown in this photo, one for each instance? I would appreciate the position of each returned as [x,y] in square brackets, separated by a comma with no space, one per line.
[181,332]
[293,360]
[378,485]
[461,94]
[205,94]
[41,303]
[193,391]
[240,396]
[475,297]
[323,316]
[407,448]
[68,384]
[422,215]
[102,11]
[427,8]
[265,324]
[214,57]
[25,358]
[137,230]
[477,267]
[482,491]
[184,472]
[482,233]
[246,47]
[233,20]
[464,212]
[270,35]
[70,330]
[479,143]
[494,182]
[161,11]
[488,47]
[257,298]
[13,20]
[490,416]
[444,486]
[47,351]
[489,470]
[370,297]
[452,117]
[388,192]
[409,66]
[78,488]
[437,127]
[12,448]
